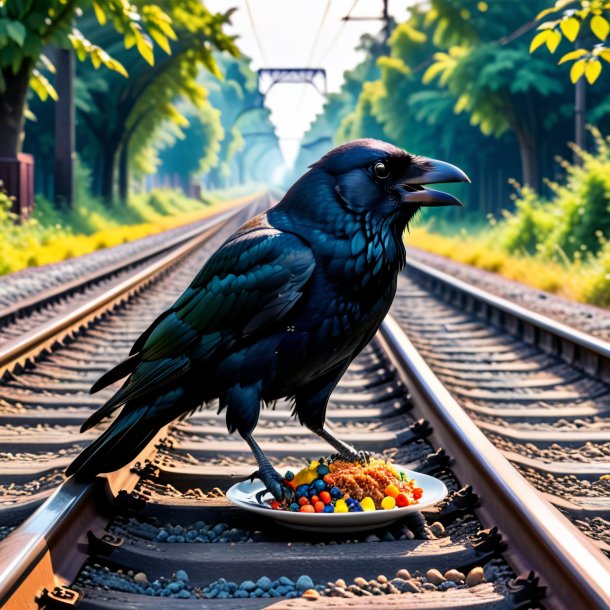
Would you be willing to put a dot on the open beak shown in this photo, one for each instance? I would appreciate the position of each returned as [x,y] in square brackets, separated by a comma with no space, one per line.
[431,171]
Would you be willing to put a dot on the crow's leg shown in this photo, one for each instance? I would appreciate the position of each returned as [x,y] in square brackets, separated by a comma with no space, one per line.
[310,405]
[347,452]
[272,479]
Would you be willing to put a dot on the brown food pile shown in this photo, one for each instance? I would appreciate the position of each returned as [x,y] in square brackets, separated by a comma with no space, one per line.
[359,480]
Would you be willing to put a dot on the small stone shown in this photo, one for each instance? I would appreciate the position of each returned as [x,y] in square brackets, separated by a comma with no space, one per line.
[311,594]
[141,578]
[361,582]
[340,583]
[182,575]
[303,583]
[437,528]
[403,573]
[455,576]
[475,576]
[411,586]
[337,592]
[175,587]
[435,577]
[247,586]
[264,583]
[381,578]
[372,538]
[448,584]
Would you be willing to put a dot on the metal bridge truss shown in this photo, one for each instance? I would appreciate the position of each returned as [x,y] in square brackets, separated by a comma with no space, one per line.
[267,78]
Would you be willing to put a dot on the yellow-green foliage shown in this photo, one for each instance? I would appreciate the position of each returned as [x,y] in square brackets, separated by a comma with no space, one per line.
[561,245]
[51,236]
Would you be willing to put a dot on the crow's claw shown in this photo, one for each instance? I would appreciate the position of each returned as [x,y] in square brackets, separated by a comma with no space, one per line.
[275,484]
[353,456]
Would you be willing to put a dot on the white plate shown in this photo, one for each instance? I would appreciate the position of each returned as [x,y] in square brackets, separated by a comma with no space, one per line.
[244,495]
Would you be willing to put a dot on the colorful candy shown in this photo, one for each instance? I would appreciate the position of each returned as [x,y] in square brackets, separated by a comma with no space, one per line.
[337,486]
[367,503]
[388,503]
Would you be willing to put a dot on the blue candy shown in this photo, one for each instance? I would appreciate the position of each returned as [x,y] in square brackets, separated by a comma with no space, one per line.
[323,469]
[289,475]
[336,493]
[294,507]
[319,484]
[329,508]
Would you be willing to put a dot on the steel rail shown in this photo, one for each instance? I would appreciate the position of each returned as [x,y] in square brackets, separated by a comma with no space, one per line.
[540,537]
[576,347]
[47,549]
[36,301]
[29,344]
[50,547]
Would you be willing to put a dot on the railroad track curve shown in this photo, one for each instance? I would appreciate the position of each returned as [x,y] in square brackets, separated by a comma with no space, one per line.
[161,527]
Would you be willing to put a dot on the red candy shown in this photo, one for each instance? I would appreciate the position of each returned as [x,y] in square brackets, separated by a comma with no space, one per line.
[275,505]
[303,501]
[319,506]
[418,492]
[307,508]
[314,499]
[325,497]
[402,500]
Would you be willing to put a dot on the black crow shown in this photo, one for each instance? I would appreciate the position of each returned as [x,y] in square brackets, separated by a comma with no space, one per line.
[279,310]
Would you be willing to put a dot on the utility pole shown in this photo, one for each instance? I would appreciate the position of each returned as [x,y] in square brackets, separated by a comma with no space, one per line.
[385,17]
[580,111]
[64,128]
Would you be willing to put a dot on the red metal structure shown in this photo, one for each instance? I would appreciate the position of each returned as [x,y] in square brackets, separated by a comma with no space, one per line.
[17,177]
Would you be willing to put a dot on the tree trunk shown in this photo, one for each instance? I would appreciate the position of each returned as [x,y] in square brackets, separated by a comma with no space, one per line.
[12,106]
[124,172]
[108,162]
[528,152]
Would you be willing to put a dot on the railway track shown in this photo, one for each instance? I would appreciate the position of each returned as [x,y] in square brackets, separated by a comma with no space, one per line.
[161,527]
[536,388]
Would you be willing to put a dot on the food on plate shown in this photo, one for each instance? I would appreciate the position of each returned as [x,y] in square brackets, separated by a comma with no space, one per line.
[331,485]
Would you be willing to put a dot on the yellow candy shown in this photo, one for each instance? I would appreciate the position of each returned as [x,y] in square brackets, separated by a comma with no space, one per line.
[388,503]
[313,465]
[367,503]
[341,506]
[305,476]
[392,490]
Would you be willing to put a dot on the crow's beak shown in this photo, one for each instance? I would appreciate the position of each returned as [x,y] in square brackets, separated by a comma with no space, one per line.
[430,171]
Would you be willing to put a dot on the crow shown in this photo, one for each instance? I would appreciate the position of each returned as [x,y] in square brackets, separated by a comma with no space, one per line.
[279,310]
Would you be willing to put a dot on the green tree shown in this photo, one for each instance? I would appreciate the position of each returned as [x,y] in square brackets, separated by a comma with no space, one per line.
[572,15]
[122,112]
[195,149]
[27,27]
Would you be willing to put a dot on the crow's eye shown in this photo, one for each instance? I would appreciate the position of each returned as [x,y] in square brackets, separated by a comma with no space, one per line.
[381,170]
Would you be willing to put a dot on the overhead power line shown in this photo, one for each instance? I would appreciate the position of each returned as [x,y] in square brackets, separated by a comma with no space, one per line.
[337,35]
[255,32]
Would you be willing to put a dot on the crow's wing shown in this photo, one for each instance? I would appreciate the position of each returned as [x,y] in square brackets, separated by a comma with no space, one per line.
[253,280]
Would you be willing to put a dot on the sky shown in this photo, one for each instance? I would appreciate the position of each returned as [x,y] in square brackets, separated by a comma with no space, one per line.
[302,33]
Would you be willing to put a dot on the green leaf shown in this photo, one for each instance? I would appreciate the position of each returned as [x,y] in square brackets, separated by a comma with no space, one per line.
[161,40]
[570,28]
[539,40]
[577,70]
[117,66]
[545,12]
[593,70]
[553,40]
[42,87]
[145,48]
[573,55]
[600,27]
[16,31]
[99,13]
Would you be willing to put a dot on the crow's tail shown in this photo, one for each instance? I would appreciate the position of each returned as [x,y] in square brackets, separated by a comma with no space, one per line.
[128,434]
